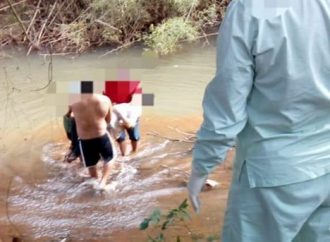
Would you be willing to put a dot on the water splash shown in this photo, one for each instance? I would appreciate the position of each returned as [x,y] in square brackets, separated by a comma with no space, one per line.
[67,202]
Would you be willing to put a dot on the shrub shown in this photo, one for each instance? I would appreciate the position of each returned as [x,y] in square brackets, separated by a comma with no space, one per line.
[77,25]
[165,38]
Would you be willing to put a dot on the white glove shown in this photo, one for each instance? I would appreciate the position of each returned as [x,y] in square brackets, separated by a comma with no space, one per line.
[195,186]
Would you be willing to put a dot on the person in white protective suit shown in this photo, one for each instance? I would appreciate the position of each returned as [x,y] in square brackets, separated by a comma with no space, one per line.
[270,96]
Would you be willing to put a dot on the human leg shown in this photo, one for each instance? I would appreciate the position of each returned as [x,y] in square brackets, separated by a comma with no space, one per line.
[93,171]
[274,214]
[134,136]
[74,139]
[317,227]
[239,224]
[135,145]
[68,135]
[107,153]
[67,126]
[89,155]
[105,174]
[121,142]
[74,152]
[122,147]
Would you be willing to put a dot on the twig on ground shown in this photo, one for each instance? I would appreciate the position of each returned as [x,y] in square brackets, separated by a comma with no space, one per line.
[106,24]
[45,23]
[33,18]
[206,39]
[18,19]
[50,72]
[119,48]
[55,15]
[57,40]
[182,132]
[190,11]
[185,173]
[58,54]
[14,4]
[203,36]
[154,133]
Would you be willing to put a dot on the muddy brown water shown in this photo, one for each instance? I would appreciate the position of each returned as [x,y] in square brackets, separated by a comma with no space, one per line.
[44,199]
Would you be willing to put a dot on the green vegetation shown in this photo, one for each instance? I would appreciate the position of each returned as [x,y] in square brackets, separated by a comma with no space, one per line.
[174,217]
[78,25]
[165,38]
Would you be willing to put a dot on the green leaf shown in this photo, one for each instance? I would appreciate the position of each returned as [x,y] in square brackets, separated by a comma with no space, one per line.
[172,214]
[155,216]
[184,204]
[145,224]
[165,224]
[184,215]
[150,239]
[212,238]
[159,238]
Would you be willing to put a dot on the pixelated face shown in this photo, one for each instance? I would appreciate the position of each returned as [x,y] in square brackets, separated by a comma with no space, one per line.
[122,91]
[127,92]
[86,87]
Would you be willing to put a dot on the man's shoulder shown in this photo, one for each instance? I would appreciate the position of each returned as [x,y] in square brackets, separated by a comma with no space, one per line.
[102,98]
[75,104]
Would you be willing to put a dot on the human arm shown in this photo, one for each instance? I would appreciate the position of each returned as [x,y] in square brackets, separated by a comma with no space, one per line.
[108,115]
[126,115]
[225,98]
[125,123]
[67,120]
[69,112]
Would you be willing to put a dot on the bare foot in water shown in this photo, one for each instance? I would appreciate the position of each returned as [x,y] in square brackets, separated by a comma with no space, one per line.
[70,157]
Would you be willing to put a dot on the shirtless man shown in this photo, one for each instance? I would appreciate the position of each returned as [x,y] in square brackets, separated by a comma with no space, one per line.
[92,113]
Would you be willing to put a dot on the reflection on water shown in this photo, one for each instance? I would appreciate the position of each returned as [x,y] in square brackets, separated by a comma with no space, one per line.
[48,200]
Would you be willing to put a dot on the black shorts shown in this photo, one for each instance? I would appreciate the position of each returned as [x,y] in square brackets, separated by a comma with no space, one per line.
[93,149]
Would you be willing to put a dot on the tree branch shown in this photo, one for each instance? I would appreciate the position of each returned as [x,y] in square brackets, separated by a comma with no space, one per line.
[33,18]
[44,25]
[9,6]
[17,17]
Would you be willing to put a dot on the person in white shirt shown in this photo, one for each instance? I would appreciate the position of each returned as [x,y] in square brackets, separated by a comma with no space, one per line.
[125,119]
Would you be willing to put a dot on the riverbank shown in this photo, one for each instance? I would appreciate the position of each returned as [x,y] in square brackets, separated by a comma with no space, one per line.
[60,26]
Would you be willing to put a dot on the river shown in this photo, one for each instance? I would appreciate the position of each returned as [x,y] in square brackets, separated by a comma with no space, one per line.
[44,199]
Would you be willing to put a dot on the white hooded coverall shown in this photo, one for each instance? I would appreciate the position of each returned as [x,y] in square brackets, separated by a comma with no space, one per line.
[270,96]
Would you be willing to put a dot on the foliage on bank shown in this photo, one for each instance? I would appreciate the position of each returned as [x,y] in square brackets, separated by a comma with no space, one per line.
[78,25]
[177,217]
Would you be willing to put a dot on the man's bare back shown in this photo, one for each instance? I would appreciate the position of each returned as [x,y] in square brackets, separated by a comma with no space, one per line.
[92,114]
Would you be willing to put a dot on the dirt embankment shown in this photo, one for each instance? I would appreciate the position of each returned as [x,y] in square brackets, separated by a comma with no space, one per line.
[62,26]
